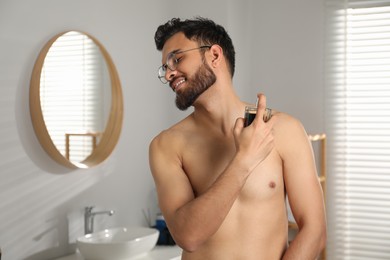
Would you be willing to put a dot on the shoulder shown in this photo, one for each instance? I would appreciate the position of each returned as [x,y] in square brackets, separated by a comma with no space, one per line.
[284,122]
[166,139]
[166,151]
[289,133]
[172,139]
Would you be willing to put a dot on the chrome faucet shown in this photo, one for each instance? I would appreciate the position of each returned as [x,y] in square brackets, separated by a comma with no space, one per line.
[89,216]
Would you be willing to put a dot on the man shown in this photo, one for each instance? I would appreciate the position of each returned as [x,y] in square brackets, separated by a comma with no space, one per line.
[222,186]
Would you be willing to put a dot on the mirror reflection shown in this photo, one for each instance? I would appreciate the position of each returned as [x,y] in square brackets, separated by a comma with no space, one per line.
[76,100]
[75,95]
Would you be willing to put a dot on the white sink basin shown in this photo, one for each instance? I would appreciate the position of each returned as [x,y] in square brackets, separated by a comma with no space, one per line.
[117,243]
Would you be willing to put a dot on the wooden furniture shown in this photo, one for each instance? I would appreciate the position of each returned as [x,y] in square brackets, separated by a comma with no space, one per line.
[321,157]
[94,137]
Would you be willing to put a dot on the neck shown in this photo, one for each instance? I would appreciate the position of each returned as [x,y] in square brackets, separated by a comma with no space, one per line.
[218,108]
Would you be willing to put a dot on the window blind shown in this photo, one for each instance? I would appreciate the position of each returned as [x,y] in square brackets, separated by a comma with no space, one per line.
[71,93]
[358,128]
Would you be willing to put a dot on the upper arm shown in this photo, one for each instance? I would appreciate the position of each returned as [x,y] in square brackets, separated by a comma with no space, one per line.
[172,184]
[300,174]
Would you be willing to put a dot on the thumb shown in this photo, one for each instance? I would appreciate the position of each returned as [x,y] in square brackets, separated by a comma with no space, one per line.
[238,126]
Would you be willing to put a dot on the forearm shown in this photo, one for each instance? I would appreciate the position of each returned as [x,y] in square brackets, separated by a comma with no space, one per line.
[196,221]
[307,244]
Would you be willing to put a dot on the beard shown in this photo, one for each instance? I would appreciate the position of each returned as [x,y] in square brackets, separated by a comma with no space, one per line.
[203,79]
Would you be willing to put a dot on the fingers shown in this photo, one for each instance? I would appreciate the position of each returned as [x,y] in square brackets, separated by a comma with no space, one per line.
[261,107]
[267,114]
[255,141]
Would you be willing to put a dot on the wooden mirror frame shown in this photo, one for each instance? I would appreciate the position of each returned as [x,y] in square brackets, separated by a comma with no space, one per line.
[112,129]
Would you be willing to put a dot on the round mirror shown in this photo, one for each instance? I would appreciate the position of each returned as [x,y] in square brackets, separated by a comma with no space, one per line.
[76,102]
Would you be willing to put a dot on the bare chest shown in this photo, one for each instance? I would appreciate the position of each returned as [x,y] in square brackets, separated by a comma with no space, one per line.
[204,162]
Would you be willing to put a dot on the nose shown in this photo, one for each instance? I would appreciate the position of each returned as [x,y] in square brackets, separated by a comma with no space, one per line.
[170,74]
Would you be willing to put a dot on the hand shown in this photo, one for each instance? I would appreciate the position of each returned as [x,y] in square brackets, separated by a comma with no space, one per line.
[254,142]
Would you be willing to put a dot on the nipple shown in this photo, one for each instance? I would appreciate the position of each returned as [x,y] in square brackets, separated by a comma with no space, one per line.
[272,185]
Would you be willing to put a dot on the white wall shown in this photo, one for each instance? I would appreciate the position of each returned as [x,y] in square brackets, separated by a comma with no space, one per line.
[279,52]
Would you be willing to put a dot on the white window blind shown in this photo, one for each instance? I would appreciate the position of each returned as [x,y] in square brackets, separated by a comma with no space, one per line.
[71,93]
[358,128]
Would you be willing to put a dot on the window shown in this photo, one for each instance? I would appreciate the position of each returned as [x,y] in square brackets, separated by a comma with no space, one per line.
[358,128]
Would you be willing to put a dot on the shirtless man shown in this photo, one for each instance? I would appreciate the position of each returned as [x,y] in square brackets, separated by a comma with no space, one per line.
[222,186]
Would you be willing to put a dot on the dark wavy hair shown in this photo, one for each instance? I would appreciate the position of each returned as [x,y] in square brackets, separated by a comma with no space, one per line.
[202,30]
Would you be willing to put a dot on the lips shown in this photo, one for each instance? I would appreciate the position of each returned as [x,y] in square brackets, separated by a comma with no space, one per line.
[176,84]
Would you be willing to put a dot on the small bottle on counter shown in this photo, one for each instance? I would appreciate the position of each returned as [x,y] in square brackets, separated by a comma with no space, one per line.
[160,222]
[165,237]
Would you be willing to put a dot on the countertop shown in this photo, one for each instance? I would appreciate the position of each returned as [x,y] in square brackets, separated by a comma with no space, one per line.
[158,253]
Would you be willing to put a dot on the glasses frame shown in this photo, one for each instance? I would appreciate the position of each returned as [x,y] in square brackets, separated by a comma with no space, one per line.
[162,70]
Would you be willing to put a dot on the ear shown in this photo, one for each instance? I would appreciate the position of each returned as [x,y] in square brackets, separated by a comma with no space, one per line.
[217,57]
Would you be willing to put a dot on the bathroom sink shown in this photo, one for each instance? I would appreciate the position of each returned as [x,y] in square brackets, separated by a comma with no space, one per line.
[117,243]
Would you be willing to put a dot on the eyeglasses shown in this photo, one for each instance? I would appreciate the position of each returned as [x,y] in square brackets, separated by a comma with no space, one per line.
[172,62]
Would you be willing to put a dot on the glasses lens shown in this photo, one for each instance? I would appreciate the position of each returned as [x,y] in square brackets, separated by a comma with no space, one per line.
[161,71]
[161,74]
[170,64]
[171,61]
